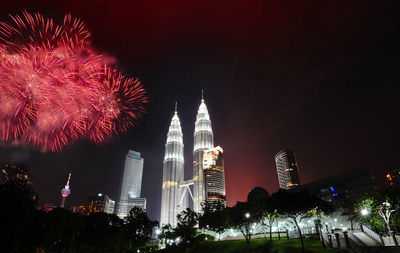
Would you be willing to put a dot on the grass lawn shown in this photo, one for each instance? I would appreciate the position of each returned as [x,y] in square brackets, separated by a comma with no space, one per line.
[294,246]
[260,245]
[233,246]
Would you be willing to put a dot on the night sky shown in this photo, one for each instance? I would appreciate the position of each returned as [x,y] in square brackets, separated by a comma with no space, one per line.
[319,77]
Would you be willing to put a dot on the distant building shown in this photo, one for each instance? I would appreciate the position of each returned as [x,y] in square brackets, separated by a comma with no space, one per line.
[287,169]
[100,203]
[48,207]
[80,209]
[137,202]
[348,185]
[214,178]
[131,182]
[392,178]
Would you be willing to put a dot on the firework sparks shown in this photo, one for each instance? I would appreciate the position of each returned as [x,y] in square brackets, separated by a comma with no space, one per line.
[55,88]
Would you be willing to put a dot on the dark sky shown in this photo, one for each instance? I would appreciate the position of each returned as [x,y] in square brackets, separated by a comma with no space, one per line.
[319,77]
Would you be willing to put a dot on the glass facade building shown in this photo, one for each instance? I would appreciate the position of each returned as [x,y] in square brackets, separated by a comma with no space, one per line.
[136,202]
[131,182]
[214,178]
[287,169]
[172,199]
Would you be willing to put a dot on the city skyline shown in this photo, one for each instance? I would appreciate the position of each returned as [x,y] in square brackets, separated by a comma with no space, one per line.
[317,78]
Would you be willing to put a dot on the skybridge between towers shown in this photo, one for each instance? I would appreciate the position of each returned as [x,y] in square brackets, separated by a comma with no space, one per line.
[185,185]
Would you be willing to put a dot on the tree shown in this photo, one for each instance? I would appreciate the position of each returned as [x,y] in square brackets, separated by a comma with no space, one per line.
[167,233]
[377,207]
[186,230]
[243,216]
[102,233]
[298,205]
[138,227]
[214,218]
[270,212]
[17,216]
[61,229]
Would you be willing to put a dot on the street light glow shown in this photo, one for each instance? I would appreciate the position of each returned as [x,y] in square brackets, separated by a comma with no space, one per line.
[364,212]
[247,215]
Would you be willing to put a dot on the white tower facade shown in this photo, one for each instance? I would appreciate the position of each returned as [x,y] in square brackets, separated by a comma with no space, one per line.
[172,200]
[131,183]
[203,140]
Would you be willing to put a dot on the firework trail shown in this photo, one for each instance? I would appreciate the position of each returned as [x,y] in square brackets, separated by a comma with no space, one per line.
[55,88]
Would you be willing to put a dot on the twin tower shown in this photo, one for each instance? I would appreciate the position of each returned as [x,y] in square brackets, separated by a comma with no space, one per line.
[208,169]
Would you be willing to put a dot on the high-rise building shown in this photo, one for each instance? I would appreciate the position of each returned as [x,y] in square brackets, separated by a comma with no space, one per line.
[138,202]
[65,192]
[287,169]
[214,178]
[131,183]
[203,140]
[172,200]
[48,207]
[82,209]
[100,203]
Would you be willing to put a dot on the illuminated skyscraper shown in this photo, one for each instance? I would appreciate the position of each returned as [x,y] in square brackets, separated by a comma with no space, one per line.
[131,183]
[287,169]
[214,179]
[203,140]
[173,173]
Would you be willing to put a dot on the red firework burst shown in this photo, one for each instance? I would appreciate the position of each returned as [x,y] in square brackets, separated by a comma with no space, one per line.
[55,88]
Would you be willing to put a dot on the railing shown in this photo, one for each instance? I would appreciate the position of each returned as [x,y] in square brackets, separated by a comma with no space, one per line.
[356,244]
[371,233]
[294,233]
[326,238]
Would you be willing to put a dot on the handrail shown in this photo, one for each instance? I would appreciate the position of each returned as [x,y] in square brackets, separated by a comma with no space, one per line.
[356,244]
[325,238]
[371,233]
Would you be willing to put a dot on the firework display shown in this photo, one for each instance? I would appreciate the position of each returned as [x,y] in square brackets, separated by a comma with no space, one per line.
[55,88]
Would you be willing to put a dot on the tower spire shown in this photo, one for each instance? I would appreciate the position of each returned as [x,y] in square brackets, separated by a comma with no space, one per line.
[202,96]
[176,106]
[69,177]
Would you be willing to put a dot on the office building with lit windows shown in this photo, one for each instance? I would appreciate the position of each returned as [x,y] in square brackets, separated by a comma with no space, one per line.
[137,202]
[100,203]
[287,169]
[214,178]
[131,183]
